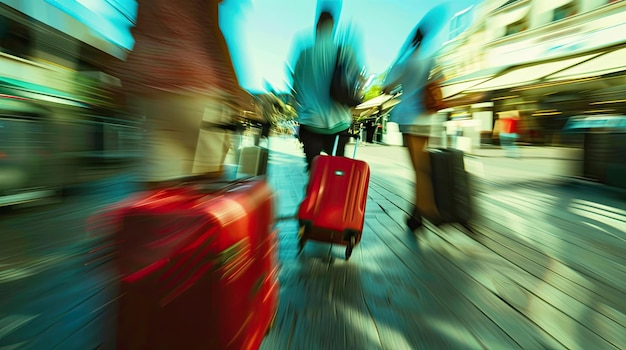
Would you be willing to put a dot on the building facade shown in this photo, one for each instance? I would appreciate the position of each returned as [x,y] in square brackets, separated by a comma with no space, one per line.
[547,60]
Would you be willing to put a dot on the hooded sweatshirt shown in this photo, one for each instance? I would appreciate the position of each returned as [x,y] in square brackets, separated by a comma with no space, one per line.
[312,77]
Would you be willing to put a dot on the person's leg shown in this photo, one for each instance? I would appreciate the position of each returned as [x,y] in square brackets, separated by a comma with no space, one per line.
[424,195]
[414,220]
[312,143]
[505,143]
[515,151]
[371,129]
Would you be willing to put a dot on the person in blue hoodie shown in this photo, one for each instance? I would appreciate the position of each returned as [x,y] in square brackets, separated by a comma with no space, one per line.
[320,117]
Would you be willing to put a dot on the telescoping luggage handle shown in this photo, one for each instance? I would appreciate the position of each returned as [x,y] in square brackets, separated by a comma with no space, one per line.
[337,144]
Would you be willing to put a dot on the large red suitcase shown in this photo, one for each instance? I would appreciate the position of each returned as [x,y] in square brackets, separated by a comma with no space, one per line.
[333,209]
[198,267]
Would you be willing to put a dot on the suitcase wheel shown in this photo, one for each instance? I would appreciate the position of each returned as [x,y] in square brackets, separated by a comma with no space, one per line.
[302,233]
[301,244]
[350,247]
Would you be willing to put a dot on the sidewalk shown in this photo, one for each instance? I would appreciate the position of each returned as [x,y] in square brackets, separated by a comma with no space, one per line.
[545,268]
[491,164]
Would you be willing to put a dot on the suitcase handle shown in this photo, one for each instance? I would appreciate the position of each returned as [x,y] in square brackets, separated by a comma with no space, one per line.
[337,144]
[212,186]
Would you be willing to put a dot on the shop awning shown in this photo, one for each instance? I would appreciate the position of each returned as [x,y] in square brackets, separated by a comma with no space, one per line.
[528,74]
[606,63]
[455,86]
[375,102]
[448,91]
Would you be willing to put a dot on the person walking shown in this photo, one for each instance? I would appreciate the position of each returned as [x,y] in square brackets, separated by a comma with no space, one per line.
[509,134]
[411,71]
[320,117]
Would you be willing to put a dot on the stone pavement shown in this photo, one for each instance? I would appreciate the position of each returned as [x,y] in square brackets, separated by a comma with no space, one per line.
[545,267]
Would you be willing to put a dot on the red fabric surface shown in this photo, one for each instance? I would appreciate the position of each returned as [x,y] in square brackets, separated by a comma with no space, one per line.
[509,126]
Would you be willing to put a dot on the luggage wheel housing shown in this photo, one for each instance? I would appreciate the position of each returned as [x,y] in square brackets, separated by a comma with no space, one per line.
[350,236]
[303,231]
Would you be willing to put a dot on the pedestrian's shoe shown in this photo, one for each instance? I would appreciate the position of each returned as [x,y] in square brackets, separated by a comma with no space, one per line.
[414,221]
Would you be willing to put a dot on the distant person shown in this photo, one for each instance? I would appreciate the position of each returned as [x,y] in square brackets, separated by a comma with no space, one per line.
[320,117]
[509,135]
[370,130]
[179,75]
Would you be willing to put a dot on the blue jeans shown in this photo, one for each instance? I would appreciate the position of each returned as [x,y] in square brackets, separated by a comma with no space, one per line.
[315,143]
[507,141]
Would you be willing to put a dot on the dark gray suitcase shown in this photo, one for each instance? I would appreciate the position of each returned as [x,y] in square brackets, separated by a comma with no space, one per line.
[451,186]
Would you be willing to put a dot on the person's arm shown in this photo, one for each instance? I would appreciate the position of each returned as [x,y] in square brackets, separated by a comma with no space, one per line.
[392,81]
[296,76]
[352,64]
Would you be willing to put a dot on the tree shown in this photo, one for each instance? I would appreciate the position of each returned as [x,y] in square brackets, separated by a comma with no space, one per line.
[373,91]
[275,110]
[375,87]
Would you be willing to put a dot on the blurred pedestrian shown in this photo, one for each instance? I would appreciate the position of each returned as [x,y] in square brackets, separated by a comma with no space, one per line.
[180,77]
[370,129]
[322,118]
[509,135]
[411,71]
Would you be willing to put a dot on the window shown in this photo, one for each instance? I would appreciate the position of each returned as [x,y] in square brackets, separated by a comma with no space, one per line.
[563,12]
[510,2]
[515,28]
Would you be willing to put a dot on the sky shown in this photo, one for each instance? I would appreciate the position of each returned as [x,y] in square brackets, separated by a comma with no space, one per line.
[262,34]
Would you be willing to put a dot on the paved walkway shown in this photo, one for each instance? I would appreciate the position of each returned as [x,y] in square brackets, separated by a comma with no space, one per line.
[545,269]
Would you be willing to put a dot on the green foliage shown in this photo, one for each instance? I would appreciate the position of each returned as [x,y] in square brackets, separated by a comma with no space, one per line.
[274,109]
[375,88]
[372,91]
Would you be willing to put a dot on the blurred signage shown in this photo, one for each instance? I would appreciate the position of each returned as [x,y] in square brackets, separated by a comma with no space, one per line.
[100,23]
[587,40]
[581,123]
[111,19]
[592,34]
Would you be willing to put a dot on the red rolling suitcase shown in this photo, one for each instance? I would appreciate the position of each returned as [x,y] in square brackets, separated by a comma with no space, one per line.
[333,209]
[198,267]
